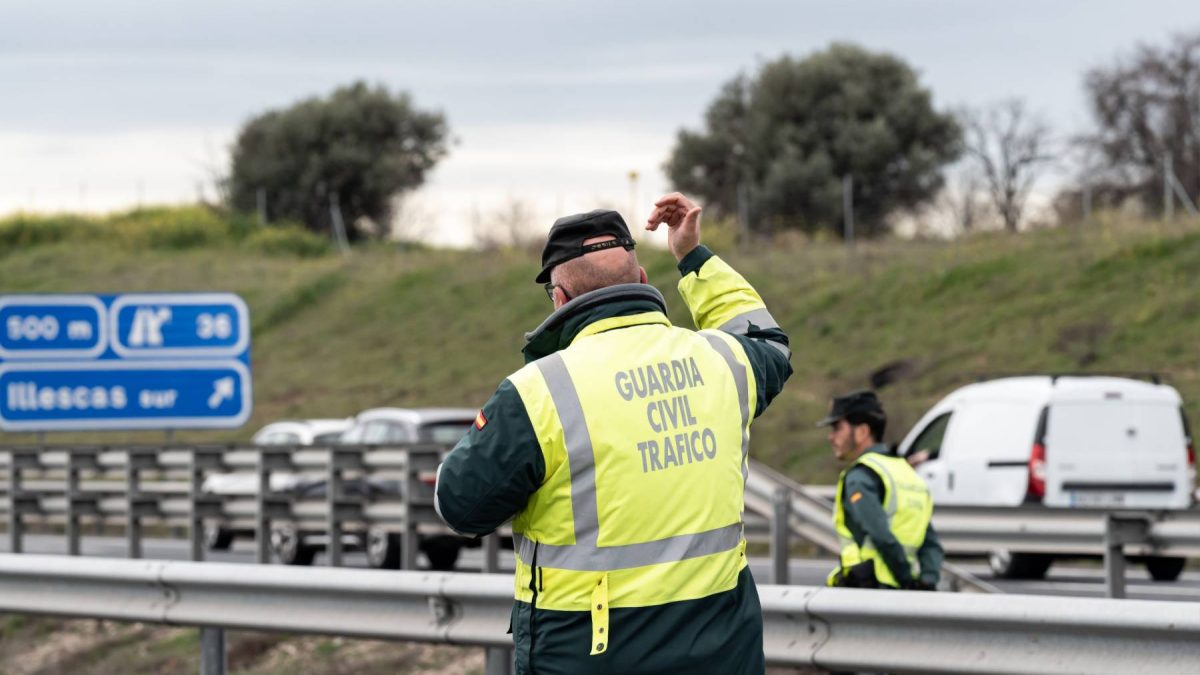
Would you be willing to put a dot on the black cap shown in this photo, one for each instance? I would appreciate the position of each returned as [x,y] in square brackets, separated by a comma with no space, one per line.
[569,232]
[862,403]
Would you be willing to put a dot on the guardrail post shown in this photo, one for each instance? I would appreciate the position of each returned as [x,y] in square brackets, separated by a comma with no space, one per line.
[72,493]
[16,526]
[262,524]
[1121,529]
[333,523]
[212,651]
[498,661]
[133,520]
[195,522]
[410,542]
[491,553]
[781,501]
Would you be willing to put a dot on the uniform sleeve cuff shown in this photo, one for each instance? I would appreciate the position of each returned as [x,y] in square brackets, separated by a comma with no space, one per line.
[692,262]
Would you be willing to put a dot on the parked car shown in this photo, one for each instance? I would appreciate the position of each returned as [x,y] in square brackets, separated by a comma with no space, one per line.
[384,426]
[1058,441]
[219,536]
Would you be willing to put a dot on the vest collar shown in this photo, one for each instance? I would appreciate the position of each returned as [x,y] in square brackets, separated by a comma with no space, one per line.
[880,448]
[597,307]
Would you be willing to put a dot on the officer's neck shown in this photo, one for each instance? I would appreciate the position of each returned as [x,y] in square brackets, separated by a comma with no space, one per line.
[869,447]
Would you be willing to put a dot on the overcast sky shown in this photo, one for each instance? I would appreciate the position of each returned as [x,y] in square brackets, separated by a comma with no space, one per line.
[108,103]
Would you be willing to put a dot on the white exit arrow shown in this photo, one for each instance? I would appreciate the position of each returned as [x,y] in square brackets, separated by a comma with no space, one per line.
[222,389]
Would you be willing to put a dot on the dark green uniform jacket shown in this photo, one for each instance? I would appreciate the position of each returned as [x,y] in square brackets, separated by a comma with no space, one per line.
[720,633]
[865,517]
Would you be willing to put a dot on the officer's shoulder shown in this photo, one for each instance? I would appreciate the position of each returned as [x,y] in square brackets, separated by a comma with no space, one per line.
[861,472]
[526,375]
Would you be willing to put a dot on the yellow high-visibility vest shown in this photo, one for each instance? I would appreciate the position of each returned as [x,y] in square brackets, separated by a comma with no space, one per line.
[909,509]
[644,430]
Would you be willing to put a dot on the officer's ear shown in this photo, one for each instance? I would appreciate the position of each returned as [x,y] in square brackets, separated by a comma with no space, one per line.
[642,271]
[862,433]
[560,297]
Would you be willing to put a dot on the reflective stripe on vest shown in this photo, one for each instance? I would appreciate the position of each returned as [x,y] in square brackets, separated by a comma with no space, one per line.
[743,391]
[585,554]
[761,318]
[908,521]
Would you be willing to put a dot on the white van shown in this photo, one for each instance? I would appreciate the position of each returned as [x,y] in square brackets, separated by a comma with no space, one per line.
[1059,441]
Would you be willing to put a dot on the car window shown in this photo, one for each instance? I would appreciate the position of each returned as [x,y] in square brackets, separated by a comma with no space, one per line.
[397,433]
[353,435]
[278,438]
[444,433]
[930,440]
[327,439]
[375,432]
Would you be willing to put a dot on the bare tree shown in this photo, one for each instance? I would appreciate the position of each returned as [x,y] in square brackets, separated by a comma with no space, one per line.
[963,197]
[509,226]
[1147,111]
[413,219]
[1012,147]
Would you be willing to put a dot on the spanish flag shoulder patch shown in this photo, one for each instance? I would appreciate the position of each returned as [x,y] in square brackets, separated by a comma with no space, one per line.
[853,498]
[480,421]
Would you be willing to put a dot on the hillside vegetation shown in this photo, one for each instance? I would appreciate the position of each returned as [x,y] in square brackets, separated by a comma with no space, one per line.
[389,325]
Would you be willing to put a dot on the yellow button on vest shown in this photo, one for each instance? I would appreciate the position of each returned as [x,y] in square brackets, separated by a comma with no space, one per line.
[599,614]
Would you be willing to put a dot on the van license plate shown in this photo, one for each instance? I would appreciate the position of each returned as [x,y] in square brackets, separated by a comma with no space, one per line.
[1098,498]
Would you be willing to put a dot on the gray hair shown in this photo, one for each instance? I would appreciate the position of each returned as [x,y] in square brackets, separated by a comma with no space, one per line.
[597,270]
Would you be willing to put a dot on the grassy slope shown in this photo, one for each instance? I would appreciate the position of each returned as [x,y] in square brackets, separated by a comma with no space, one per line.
[386,327]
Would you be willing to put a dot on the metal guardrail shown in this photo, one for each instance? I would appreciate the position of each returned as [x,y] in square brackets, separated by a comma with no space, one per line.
[836,629]
[134,485]
[977,530]
[130,486]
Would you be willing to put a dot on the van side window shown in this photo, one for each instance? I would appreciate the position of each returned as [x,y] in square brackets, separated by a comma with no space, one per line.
[930,440]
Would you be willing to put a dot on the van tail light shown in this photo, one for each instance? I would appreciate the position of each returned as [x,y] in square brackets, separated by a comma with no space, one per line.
[1191,463]
[1037,472]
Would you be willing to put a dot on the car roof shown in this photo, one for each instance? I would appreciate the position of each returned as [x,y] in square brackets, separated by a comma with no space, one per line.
[307,429]
[418,416]
[1045,389]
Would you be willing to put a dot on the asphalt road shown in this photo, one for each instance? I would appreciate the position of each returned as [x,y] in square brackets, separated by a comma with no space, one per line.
[1066,578]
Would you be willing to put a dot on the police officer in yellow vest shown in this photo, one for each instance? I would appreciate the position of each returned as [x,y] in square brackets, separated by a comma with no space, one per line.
[882,509]
[620,453]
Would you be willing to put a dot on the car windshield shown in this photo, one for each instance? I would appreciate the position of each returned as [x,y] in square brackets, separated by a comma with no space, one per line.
[327,439]
[353,435]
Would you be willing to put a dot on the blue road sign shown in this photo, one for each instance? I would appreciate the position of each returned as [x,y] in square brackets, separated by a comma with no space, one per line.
[193,325]
[52,326]
[124,395]
[132,361]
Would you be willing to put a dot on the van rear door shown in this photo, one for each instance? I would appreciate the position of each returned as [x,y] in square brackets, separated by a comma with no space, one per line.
[1116,452]
[987,451]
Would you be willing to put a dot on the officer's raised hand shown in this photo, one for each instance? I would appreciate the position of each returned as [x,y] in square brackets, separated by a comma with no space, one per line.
[682,217]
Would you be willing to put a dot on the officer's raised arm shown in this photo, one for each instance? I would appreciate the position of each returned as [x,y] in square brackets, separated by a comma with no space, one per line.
[720,298]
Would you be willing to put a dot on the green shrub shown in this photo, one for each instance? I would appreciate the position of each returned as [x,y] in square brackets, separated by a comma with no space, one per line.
[287,240]
[171,228]
[22,230]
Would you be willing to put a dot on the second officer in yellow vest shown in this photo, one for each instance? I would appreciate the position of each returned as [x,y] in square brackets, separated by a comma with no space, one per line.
[620,452]
[882,508]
